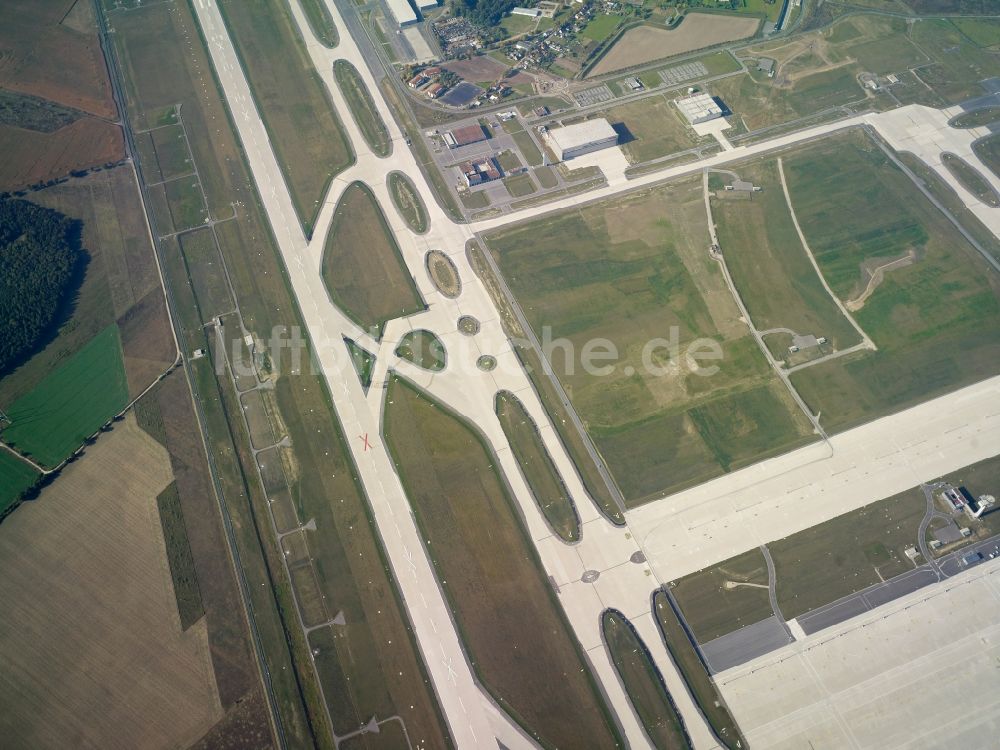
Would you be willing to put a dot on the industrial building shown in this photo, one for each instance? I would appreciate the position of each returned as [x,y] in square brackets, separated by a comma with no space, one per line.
[582,138]
[464,136]
[402,11]
[530,12]
[427,4]
[480,171]
[699,108]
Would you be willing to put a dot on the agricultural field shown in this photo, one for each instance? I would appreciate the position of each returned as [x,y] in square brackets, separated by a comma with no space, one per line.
[70,404]
[769,266]
[726,597]
[363,110]
[85,576]
[933,319]
[847,553]
[644,684]
[161,69]
[624,272]
[695,674]
[656,126]
[988,151]
[970,178]
[536,464]
[646,44]
[308,139]
[452,485]
[408,202]
[363,268]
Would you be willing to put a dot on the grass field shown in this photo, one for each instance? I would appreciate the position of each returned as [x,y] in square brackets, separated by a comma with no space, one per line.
[536,464]
[960,64]
[363,361]
[304,130]
[934,321]
[713,605]
[656,125]
[950,200]
[643,683]
[514,631]
[847,553]
[182,568]
[16,476]
[695,675]
[519,185]
[423,349]
[321,22]
[363,110]
[628,272]
[988,150]
[970,178]
[363,268]
[977,118]
[601,27]
[382,672]
[769,266]
[86,580]
[72,403]
[408,202]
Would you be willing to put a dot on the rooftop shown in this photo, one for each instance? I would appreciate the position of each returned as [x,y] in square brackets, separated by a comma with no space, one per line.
[698,107]
[574,136]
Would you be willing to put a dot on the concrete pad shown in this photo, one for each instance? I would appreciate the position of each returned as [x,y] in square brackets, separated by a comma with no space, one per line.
[745,644]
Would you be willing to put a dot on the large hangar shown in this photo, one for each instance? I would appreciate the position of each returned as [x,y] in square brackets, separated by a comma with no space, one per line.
[582,138]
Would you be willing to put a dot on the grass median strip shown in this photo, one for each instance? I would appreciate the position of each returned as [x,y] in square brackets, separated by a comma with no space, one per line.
[514,631]
[536,464]
[363,110]
[644,683]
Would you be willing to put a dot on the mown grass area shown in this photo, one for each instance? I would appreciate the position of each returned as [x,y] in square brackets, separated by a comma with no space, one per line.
[363,268]
[695,675]
[934,321]
[643,683]
[16,476]
[182,568]
[714,601]
[970,178]
[950,200]
[976,118]
[408,202]
[363,361]
[384,672]
[363,110]
[988,150]
[960,64]
[601,27]
[519,185]
[847,553]
[769,266]
[638,276]
[514,631]
[303,126]
[536,464]
[655,124]
[423,349]
[321,22]
[72,403]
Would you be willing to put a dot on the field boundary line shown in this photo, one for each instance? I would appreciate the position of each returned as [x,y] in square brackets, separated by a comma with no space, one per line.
[869,344]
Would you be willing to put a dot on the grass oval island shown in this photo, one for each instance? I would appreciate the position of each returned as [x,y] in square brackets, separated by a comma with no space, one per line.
[443,274]
[423,349]
[971,179]
[408,202]
[468,325]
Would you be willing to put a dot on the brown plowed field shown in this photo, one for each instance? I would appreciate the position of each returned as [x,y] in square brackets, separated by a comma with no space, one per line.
[92,646]
[28,156]
[645,44]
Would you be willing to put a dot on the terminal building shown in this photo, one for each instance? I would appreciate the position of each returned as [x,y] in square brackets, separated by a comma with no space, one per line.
[699,108]
[582,138]
[402,11]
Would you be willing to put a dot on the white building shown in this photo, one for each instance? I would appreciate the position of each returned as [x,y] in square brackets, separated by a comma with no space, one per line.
[582,138]
[402,11]
[427,4]
[532,12]
[699,108]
